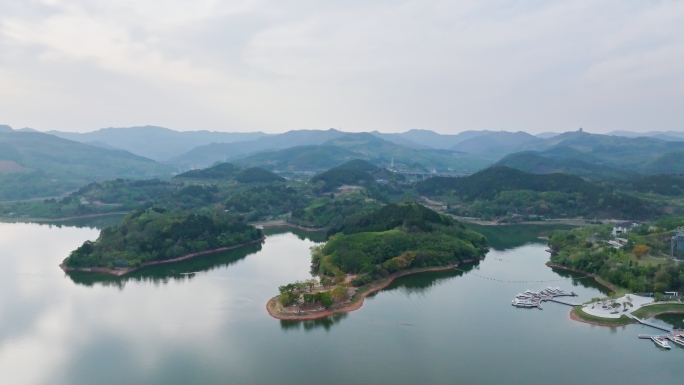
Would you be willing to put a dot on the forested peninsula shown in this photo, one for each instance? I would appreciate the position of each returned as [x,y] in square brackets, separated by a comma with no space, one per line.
[154,236]
[365,256]
[638,266]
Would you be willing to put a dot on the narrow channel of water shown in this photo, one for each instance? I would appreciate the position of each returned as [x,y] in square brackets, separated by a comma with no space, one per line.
[203,321]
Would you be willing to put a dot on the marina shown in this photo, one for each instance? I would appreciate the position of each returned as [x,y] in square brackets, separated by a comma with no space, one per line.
[531,298]
[674,335]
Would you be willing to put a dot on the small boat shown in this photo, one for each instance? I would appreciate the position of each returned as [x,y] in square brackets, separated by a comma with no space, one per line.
[519,303]
[679,340]
[660,341]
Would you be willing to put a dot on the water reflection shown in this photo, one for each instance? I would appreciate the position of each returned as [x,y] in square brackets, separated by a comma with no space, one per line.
[162,274]
[314,236]
[310,325]
[512,236]
[421,283]
[82,223]
[582,280]
[188,269]
[673,320]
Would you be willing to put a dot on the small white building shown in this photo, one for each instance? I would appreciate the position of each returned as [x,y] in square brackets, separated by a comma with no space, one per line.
[623,228]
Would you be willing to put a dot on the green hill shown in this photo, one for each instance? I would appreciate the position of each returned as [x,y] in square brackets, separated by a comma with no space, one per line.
[397,237]
[355,172]
[210,153]
[336,177]
[334,148]
[502,191]
[383,153]
[257,175]
[167,142]
[300,158]
[663,184]
[222,171]
[272,200]
[671,163]
[614,151]
[59,165]
[157,235]
[551,162]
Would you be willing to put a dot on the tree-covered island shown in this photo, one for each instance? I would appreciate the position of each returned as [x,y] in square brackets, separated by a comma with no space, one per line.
[153,236]
[367,255]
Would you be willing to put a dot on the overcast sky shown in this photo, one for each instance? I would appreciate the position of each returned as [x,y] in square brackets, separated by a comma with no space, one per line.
[390,66]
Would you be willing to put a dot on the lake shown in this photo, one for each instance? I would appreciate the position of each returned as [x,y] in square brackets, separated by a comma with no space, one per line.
[203,321]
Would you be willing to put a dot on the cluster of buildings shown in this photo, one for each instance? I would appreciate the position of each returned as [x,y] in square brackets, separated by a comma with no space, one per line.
[620,231]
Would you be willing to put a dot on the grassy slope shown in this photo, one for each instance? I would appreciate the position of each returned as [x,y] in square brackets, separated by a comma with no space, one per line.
[652,310]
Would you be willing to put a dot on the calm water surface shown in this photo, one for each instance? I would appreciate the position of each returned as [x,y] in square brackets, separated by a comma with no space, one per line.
[204,322]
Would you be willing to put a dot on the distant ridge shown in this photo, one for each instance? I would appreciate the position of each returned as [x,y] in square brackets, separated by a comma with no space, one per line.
[167,142]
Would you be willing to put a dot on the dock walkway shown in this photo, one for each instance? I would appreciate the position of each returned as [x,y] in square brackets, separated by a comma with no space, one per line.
[563,302]
[651,324]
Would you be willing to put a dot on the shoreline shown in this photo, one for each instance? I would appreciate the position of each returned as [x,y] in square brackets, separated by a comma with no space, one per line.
[29,220]
[598,279]
[124,271]
[609,286]
[577,318]
[354,304]
[285,225]
[601,282]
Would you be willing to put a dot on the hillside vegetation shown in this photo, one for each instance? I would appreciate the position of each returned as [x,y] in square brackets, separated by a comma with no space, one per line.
[645,155]
[572,163]
[397,237]
[221,171]
[156,235]
[257,175]
[334,213]
[585,249]
[259,201]
[502,191]
[58,165]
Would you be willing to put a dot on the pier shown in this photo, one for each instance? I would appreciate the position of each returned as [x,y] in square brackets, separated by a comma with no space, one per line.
[534,299]
[674,335]
[651,324]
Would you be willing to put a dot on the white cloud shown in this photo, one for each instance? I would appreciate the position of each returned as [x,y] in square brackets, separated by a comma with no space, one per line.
[275,66]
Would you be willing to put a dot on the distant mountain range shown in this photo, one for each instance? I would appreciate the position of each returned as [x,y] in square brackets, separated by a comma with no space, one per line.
[662,135]
[36,164]
[208,154]
[617,156]
[153,142]
[380,152]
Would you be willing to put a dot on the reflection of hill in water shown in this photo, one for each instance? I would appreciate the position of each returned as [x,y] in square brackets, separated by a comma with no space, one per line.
[314,236]
[90,223]
[186,270]
[309,325]
[676,321]
[511,236]
[177,271]
[420,283]
[585,281]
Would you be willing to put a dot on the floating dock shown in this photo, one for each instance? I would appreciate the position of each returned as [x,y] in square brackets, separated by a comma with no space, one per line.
[674,335]
[534,299]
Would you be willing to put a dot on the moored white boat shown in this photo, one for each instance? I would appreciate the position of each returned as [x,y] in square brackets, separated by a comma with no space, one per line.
[660,341]
[678,340]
